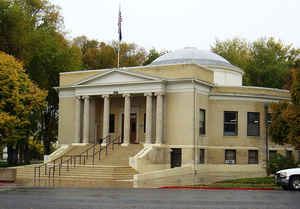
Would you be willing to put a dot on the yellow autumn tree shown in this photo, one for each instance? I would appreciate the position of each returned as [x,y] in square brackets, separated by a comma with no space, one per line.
[20,99]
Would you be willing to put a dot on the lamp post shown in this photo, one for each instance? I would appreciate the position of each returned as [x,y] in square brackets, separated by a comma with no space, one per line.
[267,136]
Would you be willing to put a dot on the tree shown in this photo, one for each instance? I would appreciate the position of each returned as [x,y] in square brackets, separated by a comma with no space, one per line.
[153,55]
[285,126]
[20,100]
[31,31]
[131,54]
[48,55]
[19,19]
[262,60]
[100,55]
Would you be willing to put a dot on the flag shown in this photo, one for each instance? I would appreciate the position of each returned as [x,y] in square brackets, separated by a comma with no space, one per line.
[120,25]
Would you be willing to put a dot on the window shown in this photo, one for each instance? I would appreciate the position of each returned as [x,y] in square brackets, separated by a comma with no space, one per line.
[230,123]
[289,154]
[202,122]
[253,124]
[272,154]
[202,156]
[144,122]
[252,157]
[111,123]
[230,156]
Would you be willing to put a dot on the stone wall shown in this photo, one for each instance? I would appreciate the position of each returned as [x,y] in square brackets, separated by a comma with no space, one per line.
[8,174]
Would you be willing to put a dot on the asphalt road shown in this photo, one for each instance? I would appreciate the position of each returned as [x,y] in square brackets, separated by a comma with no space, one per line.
[62,198]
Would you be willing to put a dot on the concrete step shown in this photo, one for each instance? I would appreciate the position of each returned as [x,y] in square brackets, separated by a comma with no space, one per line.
[112,166]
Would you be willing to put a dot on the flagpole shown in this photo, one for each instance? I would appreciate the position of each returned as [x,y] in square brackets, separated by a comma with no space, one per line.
[119,54]
[120,33]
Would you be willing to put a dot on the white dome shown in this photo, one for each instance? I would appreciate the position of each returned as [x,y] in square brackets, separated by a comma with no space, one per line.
[191,55]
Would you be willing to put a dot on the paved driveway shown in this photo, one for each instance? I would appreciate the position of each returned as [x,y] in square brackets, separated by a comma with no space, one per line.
[61,198]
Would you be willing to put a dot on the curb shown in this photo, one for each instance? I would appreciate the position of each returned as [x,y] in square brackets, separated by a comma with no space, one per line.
[219,188]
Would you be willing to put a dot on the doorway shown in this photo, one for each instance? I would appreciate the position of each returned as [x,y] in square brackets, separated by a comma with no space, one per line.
[133,128]
[175,157]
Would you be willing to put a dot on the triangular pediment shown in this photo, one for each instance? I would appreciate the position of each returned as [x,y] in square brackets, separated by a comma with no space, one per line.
[116,76]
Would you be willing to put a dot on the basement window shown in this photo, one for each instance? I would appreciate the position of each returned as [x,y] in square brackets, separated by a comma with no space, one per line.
[289,154]
[272,154]
[201,156]
[252,157]
[230,156]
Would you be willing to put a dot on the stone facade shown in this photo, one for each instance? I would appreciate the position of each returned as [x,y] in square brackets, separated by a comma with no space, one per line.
[8,174]
[159,106]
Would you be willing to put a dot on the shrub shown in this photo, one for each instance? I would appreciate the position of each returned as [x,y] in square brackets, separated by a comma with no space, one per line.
[280,162]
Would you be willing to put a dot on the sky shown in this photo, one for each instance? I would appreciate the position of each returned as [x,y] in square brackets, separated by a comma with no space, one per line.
[175,24]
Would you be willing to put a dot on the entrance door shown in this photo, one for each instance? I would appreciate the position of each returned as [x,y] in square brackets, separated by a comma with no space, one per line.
[122,129]
[133,127]
[175,157]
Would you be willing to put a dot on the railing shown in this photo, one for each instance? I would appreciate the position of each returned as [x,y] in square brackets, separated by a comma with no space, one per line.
[73,160]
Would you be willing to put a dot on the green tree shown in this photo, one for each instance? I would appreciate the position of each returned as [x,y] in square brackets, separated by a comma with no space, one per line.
[153,55]
[31,30]
[285,126]
[100,55]
[266,62]
[20,18]
[20,100]
[131,54]
[48,55]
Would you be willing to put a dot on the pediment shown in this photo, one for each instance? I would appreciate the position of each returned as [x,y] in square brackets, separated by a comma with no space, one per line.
[116,76]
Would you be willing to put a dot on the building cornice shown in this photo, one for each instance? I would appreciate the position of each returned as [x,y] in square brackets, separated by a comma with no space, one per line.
[240,96]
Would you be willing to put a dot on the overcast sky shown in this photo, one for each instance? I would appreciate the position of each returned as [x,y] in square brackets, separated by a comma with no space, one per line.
[174,24]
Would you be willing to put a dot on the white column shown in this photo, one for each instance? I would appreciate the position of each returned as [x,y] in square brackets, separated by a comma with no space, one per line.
[86,119]
[159,117]
[106,112]
[126,120]
[78,119]
[148,118]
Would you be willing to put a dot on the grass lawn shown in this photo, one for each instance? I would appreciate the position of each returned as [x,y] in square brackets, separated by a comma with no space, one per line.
[261,182]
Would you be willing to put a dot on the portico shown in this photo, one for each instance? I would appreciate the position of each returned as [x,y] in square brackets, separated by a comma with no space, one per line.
[136,115]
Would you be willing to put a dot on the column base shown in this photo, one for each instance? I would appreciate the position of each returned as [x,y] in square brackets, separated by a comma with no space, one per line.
[124,145]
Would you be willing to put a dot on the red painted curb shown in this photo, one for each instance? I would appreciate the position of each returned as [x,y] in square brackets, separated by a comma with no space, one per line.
[220,188]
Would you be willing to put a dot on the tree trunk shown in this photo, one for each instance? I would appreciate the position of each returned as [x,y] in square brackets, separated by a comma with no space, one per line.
[27,154]
[12,155]
[46,147]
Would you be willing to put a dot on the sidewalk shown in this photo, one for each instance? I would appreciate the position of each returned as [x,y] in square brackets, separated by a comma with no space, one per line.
[4,186]
[218,188]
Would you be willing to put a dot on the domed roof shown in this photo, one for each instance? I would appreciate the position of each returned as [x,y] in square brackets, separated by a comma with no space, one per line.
[192,55]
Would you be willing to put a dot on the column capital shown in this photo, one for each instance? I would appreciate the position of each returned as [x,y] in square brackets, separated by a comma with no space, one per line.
[148,94]
[159,93]
[78,97]
[86,97]
[105,95]
[126,95]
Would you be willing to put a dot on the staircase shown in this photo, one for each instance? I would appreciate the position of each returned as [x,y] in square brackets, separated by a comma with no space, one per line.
[112,166]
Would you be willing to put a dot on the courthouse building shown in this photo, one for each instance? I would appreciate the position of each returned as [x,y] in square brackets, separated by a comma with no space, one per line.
[188,108]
